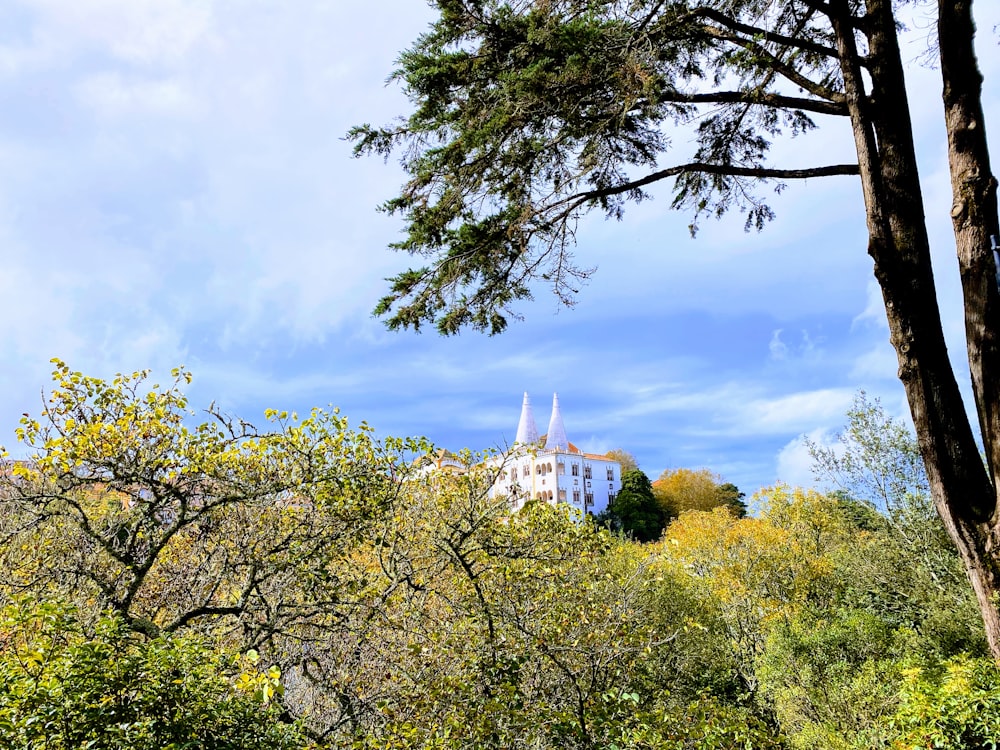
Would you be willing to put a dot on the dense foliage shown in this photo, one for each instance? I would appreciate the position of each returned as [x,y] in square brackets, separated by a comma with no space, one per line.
[680,490]
[65,686]
[634,510]
[170,586]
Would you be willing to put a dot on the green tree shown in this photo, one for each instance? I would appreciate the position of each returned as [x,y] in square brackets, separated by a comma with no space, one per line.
[250,537]
[528,115]
[731,497]
[404,609]
[950,706]
[876,460]
[760,571]
[822,619]
[833,678]
[860,514]
[174,527]
[536,629]
[401,608]
[634,509]
[876,463]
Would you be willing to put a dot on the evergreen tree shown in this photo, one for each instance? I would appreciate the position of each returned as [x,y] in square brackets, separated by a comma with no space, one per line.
[635,510]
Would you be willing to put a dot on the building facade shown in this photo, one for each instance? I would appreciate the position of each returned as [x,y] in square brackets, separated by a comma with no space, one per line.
[551,469]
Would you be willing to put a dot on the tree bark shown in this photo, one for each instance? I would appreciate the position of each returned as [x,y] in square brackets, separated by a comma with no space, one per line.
[974,221]
[961,487]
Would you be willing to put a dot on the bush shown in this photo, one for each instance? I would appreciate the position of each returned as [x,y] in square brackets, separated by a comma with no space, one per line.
[953,705]
[62,687]
[833,682]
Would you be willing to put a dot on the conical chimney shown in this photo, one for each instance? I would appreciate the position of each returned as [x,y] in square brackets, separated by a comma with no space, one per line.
[556,439]
[527,431]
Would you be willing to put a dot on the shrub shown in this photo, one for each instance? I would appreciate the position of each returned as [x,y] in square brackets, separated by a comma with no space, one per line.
[64,685]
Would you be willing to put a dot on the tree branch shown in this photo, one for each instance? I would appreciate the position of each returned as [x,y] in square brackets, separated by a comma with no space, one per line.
[768,36]
[775,64]
[762,98]
[862,23]
[202,611]
[832,170]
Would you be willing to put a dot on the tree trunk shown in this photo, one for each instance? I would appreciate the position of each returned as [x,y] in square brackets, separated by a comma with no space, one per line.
[974,213]
[960,485]
[974,220]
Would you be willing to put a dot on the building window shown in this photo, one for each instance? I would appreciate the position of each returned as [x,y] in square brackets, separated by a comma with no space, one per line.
[525,470]
[587,473]
[588,499]
[562,468]
[611,473]
[576,496]
[576,470]
[611,499]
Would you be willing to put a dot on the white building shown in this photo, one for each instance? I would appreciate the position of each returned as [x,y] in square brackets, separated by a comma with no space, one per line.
[552,469]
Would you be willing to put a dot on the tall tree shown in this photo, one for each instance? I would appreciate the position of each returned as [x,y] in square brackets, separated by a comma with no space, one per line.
[635,510]
[679,490]
[529,113]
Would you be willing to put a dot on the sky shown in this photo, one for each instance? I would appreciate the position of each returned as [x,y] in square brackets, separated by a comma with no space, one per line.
[176,190]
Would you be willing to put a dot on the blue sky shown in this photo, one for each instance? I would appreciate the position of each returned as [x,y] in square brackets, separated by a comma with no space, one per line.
[176,190]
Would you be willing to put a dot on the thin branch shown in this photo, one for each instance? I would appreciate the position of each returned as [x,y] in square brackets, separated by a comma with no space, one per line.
[767,36]
[647,20]
[777,65]
[862,23]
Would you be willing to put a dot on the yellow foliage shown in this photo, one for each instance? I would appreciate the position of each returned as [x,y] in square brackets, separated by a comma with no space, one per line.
[760,571]
[814,519]
[679,490]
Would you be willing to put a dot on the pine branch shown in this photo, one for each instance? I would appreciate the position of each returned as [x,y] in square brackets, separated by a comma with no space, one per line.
[767,36]
[763,98]
[578,199]
[775,64]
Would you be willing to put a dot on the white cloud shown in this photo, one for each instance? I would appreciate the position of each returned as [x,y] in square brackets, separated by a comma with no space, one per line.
[23,56]
[874,313]
[731,409]
[878,363]
[777,347]
[739,408]
[807,351]
[114,95]
[142,32]
[793,462]
[38,323]
[794,411]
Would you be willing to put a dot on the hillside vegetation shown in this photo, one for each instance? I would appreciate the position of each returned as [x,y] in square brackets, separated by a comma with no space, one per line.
[169,584]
